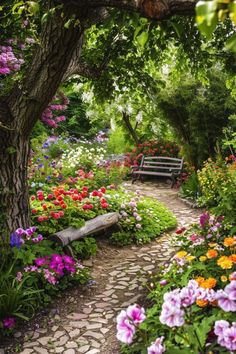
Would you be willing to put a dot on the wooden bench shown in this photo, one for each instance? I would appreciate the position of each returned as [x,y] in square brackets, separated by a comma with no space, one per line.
[158,166]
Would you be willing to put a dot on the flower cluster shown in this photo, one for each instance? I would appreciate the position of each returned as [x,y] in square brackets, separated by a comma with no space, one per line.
[128,321]
[129,210]
[19,237]
[54,267]
[50,116]
[226,334]
[151,148]
[8,61]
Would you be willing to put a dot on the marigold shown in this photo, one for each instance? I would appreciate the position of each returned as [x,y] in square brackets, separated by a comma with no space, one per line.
[225,262]
[229,241]
[209,283]
[223,278]
[212,244]
[181,254]
[190,258]
[202,258]
[202,303]
[212,254]
[233,258]
[200,280]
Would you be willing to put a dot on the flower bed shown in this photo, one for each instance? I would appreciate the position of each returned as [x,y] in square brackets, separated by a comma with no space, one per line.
[151,148]
[194,301]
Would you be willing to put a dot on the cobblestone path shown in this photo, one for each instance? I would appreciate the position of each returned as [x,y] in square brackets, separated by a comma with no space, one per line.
[83,321]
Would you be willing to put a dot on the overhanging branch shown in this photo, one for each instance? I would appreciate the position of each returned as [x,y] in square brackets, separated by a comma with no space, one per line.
[153,9]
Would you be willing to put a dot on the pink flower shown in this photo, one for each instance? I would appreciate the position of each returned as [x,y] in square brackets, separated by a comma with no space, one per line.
[230,289]
[19,276]
[9,322]
[226,334]
[172,316]
[138,226]
[220,326]
[157,347]
[136,314]
[225,302]
[125,330]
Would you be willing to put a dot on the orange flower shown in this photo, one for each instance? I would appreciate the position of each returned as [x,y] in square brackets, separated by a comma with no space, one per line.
[225,262]
[202,303]
[233,258]
[200,280]
[212,254]
[229,241]
[209,283]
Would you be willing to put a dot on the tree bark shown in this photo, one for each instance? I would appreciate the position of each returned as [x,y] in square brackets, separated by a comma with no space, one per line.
[130,128]
[14,199]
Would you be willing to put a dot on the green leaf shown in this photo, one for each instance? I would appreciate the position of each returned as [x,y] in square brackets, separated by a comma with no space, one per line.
[231,43]
[33,7]
[142,38]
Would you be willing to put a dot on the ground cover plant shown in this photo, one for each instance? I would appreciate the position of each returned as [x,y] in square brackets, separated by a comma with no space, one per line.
[193,297]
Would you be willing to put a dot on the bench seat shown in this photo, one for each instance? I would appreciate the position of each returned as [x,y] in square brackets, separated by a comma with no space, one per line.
[158,166]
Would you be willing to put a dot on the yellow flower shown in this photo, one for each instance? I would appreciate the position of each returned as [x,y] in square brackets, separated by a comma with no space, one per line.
[223,278]
[202,258]
[190,258]
[181,254]
[212,244]
[225,262]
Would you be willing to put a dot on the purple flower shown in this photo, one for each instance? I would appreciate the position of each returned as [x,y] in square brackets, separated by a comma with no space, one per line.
[136,314]
[220,326]
[19,276]
[163,282]
[9,322]
[230,289]
[224,301]
[204,219]
[15,240]
[40,261]
[226,334]
[172,316]
[157,347]
[173,298]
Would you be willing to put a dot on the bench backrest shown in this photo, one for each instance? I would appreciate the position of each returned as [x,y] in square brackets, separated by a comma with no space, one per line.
[162,163]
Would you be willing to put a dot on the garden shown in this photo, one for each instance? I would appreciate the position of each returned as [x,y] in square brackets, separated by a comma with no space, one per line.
[87,91]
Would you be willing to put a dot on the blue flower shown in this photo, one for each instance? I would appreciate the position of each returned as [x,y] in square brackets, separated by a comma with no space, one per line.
[15,240]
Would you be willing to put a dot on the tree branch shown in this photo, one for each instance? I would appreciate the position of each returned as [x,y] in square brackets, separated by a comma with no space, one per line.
[153,9]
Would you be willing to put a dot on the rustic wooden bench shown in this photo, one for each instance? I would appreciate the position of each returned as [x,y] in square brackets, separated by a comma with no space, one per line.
[158,166]
[91,227]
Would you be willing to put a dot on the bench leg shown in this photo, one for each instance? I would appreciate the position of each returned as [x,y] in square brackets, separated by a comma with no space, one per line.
[173,179]
[134,179]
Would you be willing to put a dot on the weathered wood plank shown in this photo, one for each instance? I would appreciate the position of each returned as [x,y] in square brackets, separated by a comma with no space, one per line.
[101,222]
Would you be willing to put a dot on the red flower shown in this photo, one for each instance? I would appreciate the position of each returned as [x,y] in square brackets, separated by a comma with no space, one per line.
[180,231]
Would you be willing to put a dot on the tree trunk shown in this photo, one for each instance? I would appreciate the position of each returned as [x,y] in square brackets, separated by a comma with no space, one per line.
[130,128]
[14,200]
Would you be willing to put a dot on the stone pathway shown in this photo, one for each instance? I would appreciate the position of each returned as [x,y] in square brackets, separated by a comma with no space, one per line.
[84,320]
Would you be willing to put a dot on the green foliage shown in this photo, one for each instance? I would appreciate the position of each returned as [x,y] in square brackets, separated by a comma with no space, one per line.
[197,113]
[117,144]
[16,298]
[84,248]
[190,188]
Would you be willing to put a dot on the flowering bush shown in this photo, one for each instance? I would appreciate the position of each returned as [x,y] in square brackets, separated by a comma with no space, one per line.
[151,148]
[32,274]
[194,312]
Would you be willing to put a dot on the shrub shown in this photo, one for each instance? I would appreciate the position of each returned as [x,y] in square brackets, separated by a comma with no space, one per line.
[84,248]
[152,148]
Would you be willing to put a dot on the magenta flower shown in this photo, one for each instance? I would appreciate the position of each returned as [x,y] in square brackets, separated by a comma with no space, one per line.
[40,261]
[204,219]
[157,347]
[9,322]
[19,276]
[125,330]
[136,314]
